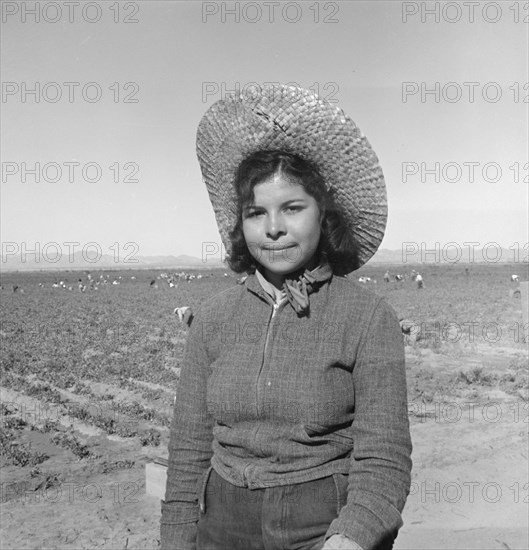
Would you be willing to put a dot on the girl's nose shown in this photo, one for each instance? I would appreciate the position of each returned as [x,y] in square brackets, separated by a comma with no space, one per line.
[275,226]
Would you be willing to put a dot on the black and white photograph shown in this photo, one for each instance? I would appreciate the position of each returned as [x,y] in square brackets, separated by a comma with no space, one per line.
[264,275]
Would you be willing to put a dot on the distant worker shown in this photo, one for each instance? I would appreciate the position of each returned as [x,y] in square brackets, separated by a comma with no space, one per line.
[386,277]
[420,283]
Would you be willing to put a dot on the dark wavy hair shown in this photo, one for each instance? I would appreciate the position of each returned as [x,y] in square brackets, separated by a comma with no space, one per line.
[335,239]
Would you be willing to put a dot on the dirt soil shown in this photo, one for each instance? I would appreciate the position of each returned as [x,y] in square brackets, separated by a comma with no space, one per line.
[469,485]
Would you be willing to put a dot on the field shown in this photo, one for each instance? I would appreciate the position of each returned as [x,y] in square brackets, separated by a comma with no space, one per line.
[88,381]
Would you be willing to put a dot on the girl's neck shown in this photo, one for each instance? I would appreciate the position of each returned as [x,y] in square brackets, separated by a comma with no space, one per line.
[277,279]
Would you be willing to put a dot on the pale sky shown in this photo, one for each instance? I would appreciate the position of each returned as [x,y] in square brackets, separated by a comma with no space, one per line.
[178,51]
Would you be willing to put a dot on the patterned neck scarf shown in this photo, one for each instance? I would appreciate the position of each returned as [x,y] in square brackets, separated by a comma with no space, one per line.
[300,284]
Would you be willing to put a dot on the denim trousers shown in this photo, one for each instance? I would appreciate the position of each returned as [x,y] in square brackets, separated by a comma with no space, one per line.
[289,517]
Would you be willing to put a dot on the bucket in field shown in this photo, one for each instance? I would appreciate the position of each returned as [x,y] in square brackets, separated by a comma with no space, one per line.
[156,477]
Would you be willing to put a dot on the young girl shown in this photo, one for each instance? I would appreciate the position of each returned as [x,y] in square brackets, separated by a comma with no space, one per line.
[290,427]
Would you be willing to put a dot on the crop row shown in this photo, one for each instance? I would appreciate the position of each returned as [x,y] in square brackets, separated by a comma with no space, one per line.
[16,453]
[45,393]
[21,454]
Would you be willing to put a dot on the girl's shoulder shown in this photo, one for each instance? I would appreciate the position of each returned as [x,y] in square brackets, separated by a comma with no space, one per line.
[221,301]
[358,297]
[351,287]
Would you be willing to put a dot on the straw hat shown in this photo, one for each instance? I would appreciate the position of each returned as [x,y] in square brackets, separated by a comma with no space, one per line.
[294,120]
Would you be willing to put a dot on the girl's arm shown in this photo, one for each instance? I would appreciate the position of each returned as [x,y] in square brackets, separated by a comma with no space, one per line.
[380,470]
[189,446]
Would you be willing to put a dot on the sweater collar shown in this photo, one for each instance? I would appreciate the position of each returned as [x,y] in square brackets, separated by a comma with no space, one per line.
[277,294]
[297,286]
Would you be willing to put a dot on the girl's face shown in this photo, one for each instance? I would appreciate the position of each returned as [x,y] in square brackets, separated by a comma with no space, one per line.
[282,227]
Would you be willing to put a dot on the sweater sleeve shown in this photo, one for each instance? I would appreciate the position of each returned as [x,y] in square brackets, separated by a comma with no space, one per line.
[380,469]
[189,446]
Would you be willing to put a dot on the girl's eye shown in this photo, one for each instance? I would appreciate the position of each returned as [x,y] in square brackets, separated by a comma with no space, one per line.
[253,214]
[288,210]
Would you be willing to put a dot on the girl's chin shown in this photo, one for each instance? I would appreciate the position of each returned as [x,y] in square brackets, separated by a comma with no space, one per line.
[281,268]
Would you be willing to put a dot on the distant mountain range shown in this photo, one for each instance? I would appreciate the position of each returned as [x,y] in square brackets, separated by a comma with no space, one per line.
[413,255]
[105,261]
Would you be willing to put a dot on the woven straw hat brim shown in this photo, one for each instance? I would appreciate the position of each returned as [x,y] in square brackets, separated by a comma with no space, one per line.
[294,120]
